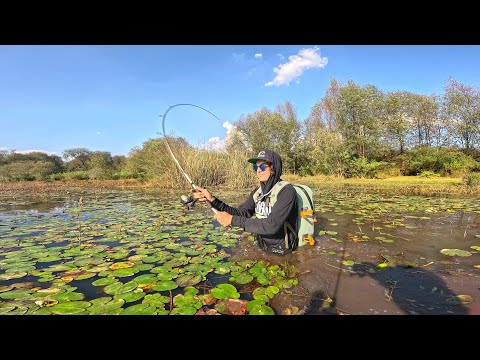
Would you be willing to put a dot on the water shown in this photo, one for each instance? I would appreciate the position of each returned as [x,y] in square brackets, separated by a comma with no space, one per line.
[406,233]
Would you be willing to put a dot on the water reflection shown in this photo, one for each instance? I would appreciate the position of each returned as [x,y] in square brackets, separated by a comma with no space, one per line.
[416,291]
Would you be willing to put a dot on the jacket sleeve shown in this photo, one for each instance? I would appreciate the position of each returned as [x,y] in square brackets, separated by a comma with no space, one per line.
[286,201]
[245,210]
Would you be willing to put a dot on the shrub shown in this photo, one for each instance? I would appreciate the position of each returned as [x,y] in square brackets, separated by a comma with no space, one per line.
[472,179]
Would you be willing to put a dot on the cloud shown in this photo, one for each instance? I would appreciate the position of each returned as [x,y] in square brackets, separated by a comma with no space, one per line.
[217,143]
[99,133]
[297,65]
[29,151]
[281,56]
[258,56]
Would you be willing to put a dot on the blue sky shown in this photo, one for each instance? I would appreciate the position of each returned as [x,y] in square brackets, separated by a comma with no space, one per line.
[109,97]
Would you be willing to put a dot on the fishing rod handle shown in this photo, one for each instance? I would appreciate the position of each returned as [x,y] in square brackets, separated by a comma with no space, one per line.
[207,201]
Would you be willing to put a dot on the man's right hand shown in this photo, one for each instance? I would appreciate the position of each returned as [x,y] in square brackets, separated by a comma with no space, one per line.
[201,194]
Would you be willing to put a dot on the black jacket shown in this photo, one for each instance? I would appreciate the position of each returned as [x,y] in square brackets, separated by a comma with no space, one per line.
[270,229]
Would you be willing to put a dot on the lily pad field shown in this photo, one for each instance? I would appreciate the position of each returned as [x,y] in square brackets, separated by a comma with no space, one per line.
[141,252]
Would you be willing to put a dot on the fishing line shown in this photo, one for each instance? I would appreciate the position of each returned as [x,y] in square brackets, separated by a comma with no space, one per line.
[185,175]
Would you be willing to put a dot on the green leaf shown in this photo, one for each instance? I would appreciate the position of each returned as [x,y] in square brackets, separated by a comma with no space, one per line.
[165,285]
[244,278]
[254,303]
[225,291]
[139,309]
[130,296]
[71,307]
[262,310]
[104,281]
[68,297]
[455,252]
[188,280]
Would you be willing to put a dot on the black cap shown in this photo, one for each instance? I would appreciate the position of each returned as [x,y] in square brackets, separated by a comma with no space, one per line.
[262,155]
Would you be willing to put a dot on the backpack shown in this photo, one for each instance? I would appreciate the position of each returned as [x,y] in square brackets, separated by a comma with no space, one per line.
[305,227]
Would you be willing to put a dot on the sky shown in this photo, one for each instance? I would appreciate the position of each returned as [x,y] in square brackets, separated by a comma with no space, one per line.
[112,97]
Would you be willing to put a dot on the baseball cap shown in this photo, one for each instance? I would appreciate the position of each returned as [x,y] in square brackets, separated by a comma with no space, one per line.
[262,155]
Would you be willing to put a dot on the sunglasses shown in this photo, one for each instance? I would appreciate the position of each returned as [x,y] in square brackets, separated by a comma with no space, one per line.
[262,166]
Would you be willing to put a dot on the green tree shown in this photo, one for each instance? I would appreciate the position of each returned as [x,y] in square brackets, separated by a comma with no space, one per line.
[462,107]
[101,165]
[395,119]
[78,159]
[277,130]
[357,114]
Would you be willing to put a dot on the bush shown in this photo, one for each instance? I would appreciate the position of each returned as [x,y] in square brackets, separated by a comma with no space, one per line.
[76,175]
[390,171]
[362,167]
[57,177]
[472,179]
[428,174]
[124,174]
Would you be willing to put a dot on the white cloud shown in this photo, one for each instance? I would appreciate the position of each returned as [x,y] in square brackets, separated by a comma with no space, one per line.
[29,151]
[296,66]
[258,56]
[281,56]
[99,133]
[217,143]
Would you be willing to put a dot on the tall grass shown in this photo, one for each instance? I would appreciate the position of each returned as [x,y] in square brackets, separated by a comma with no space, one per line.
[206,168]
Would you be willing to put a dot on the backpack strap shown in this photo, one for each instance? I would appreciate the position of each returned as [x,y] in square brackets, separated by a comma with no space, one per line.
[287,226]
[306,194]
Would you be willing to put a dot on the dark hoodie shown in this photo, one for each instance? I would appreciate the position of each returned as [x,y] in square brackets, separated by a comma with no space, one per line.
[270,230]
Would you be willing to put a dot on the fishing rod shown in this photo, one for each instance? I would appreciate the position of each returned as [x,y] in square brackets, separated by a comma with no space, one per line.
[185,175]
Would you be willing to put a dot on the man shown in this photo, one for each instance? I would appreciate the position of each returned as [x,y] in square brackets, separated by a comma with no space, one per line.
[274,224]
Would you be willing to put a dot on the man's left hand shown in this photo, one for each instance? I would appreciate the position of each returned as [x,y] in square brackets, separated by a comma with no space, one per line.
[224,218]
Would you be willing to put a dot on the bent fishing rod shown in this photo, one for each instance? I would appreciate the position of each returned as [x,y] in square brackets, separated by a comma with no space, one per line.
[185,175]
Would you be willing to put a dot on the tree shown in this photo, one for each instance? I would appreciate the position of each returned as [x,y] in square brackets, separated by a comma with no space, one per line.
[277,130]
[395,119]
[462,106]
[77,159]
[101,165]
[357,114]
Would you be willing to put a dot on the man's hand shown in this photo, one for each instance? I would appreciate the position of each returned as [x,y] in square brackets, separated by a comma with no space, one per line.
[224,218]
[201,194]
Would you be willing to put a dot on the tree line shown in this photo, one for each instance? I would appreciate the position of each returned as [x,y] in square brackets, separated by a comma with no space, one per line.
[353,131]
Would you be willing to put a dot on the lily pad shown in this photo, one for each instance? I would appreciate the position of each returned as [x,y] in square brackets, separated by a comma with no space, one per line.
[157,300]
[455,252]
[232,306]
[253,303]
[120,288]
[225,291]
[186,310]
[68,297]
[71,307]
[243,278]
[139,309]
[104,281]
[261,310]
[188,280]
[165,285]
[130,296]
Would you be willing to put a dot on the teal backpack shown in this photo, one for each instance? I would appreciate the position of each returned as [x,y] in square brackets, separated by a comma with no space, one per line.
[306,211]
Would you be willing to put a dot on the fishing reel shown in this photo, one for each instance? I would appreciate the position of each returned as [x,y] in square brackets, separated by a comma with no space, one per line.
[188,201]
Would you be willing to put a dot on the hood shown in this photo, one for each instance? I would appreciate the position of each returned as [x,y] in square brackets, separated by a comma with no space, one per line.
[276,160]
